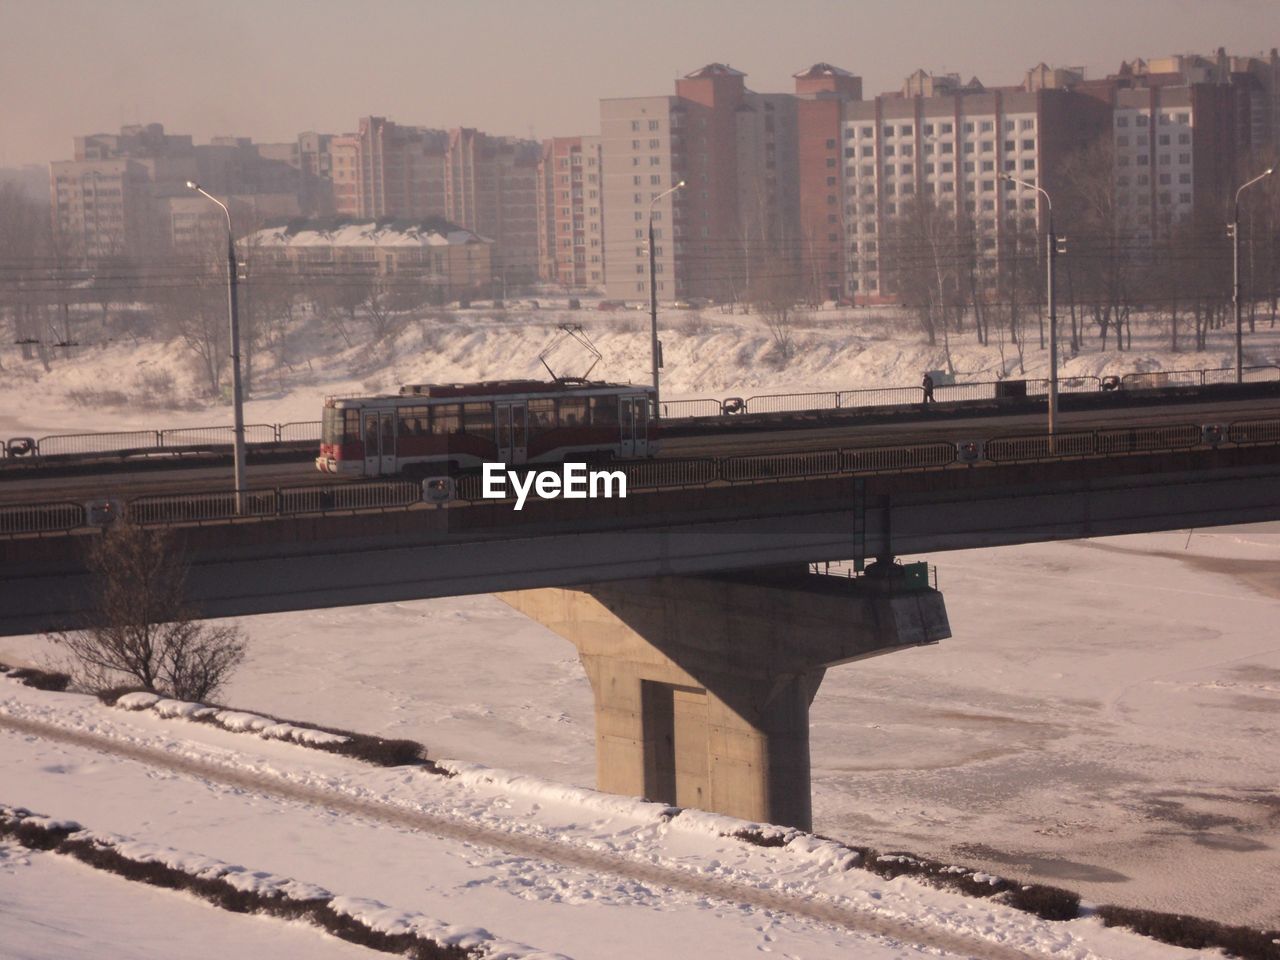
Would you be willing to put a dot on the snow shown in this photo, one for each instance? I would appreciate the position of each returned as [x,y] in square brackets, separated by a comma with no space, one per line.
[1102,719]
[471,888]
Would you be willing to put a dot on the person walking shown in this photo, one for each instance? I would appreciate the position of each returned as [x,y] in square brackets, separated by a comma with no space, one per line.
[927,384]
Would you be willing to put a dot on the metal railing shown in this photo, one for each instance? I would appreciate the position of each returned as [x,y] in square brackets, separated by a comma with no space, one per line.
[41,518]
[688,409]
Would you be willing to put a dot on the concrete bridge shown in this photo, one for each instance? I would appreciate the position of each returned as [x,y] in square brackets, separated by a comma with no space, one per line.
[703,633]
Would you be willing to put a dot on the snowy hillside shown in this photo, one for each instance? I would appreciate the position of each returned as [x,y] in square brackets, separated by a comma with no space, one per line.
[122,384]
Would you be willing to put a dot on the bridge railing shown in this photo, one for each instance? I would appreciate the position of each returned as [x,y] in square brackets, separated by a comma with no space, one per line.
[688,409]
[298,431]
[71,444]
[792,402]
[881,459]
[878,397]
[656,474]
[1040,447]
[205,437]
[27,518]
[1254,431]
[779,466]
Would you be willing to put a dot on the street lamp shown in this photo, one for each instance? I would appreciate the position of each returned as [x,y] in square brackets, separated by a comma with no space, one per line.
[237,397]
[1235,271]
[653,298]
[1051,256]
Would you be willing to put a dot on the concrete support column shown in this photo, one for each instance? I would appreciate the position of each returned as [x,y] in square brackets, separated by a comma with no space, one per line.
[703,684]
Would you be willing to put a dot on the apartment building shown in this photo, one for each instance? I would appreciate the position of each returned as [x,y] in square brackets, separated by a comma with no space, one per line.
[735,151]
[385,169]
[492,188]
[126,194]
[570,213]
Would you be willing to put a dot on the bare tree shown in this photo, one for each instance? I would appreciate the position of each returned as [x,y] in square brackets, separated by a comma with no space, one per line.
[777,288]
[143,629]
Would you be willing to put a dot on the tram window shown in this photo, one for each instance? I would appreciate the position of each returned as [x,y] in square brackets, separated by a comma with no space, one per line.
[340,426]
[573,411]
[445,418]
[477,419]
[604,410]
[371,433]
[331,426]
[413,420]
[542,414]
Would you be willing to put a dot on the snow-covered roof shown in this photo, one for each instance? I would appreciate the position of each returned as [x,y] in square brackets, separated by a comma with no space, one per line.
[821,70]
[432,232]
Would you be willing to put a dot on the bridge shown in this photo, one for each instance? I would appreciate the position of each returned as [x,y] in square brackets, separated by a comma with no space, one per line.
[702,628]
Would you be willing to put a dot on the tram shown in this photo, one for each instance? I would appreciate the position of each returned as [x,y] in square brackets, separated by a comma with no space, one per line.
[433,429]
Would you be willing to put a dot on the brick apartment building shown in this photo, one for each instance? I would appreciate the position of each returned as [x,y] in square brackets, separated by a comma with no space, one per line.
[570,213]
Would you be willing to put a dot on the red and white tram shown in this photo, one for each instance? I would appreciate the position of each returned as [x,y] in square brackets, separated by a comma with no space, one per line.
[440,428]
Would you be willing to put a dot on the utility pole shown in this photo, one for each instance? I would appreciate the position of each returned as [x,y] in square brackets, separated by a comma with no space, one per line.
[655,349]
[237,391]
[1234,229]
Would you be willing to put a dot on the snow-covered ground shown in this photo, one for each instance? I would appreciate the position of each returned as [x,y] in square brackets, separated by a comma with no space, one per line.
[482,855]
[1103,718]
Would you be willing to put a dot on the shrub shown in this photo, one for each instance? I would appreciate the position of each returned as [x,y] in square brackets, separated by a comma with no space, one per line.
[142,627]
[40,679]
[1195,933]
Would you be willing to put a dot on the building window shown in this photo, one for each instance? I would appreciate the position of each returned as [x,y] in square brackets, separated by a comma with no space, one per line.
[904,130]
[1122,121]
[653,124]
[635,124]
[831,144]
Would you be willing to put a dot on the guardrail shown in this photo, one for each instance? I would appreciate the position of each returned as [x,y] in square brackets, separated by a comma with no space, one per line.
[180,439]
[64,517]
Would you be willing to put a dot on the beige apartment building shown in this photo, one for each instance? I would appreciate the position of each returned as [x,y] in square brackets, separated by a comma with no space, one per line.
[736,152]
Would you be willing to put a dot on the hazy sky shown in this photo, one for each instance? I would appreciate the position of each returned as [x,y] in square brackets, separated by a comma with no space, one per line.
[271,68]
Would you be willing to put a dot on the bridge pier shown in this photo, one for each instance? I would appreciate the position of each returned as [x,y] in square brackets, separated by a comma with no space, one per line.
[703,684]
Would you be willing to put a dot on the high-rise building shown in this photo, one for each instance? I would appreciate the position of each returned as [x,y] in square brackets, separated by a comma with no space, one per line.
[735,151]
[570,213]
[389,170]
[492,188]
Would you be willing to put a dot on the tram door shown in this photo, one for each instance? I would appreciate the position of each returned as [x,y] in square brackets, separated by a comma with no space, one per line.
[379,442]
[633,415]
[513,431]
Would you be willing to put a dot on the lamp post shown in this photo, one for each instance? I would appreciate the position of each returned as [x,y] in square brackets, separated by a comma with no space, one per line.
[237,396]
[653,299]
[1051,249]
[1235,271]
